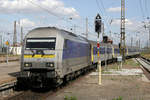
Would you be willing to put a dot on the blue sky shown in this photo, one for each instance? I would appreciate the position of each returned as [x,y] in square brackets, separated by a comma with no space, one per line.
[38,13]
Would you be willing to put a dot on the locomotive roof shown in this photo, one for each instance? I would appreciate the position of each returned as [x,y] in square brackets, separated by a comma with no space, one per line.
[42,31]
[48,31]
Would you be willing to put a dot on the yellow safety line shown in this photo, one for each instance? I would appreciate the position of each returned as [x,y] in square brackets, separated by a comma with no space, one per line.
[39,56]
[27,56]
[113,52]
[127,51]
[92,57]
[98,53]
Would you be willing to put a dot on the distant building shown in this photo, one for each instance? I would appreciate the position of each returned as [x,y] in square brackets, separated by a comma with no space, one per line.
[15,50]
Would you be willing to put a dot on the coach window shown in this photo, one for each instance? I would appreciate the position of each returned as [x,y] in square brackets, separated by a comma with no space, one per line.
[65,44]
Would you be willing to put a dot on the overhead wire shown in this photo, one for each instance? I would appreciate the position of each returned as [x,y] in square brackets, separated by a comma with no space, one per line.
[45,9]
[101,1]
[90,26]
[49,12]
[146,9]
[143,13]
[141,8]
[106,20]
[98,5]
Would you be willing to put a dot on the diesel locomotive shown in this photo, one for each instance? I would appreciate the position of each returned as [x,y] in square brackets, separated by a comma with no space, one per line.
[51,56]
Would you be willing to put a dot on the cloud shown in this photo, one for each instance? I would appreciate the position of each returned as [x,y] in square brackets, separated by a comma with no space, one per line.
[134,29]
[27,23]
[128,22]
[130,25]
[114,9]
[55,7]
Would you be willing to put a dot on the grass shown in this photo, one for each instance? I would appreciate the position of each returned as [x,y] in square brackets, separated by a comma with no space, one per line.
[145,54]
[137,86]
[70,98]
[112,66]
[105,72]
[119,98]
[131,62]
[112,79]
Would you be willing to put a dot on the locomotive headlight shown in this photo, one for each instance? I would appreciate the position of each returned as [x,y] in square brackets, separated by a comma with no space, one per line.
[49,64]
[27,64]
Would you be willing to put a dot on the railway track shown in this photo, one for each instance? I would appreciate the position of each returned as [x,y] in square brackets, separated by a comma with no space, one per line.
[8,92]
[145,66]
[7,86]
[7,89]
[35,95]
[40,94]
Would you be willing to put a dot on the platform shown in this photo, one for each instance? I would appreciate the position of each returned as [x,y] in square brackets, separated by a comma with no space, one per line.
[8,72]
[10,58]
[124,72]
[129,83]
[130,87]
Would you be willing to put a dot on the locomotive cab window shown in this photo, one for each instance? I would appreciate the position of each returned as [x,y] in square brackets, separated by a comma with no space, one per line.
[41,43]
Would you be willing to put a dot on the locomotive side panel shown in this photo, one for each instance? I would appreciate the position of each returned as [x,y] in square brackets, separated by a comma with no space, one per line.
[76,55]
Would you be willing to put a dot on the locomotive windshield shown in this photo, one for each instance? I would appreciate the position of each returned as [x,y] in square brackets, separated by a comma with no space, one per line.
[41,43]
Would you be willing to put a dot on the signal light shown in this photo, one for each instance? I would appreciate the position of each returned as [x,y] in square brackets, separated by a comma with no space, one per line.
[97,26]
[98,45]
[98,23]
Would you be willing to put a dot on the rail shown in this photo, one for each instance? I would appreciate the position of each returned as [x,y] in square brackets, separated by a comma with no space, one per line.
[145,63]
[7,88]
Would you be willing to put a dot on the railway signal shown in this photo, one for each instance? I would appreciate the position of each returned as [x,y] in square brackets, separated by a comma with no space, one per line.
[98,30]
[98,23]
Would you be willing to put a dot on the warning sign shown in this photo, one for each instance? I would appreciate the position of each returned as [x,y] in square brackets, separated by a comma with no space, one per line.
[7,43]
